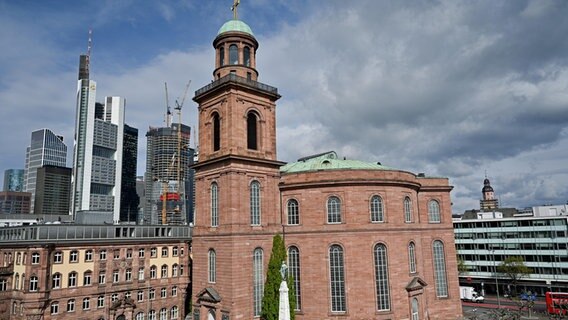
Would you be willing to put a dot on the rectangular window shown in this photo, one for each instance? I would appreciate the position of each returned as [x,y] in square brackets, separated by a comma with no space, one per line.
[115,276]
[152,294]
[140,295]
[141,253]
[89,255]
[153,252]
[102,255]
[116,254]
[102,278]
[163,293]
[87,279]
[58,257]
[100,302]
[164,251]
[128,275]
[74,256]
[141,274]
[174,251]
[129,254]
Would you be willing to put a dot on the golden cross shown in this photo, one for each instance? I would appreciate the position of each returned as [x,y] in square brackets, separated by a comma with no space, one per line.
[234,8]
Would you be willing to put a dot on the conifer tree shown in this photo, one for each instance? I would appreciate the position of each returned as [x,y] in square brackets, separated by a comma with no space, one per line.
[271,297]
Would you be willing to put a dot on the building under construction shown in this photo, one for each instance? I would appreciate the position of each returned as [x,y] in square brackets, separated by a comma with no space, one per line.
[168,180]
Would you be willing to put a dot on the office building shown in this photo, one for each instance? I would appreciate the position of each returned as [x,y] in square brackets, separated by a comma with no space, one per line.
[53,190]
[57,271]
[13,202]
[14,180]
[129,197]
[46,148]
[97,161]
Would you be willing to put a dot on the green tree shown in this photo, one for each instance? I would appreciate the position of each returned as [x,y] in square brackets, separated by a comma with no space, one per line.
[515,269]
[462,267]
[271,297]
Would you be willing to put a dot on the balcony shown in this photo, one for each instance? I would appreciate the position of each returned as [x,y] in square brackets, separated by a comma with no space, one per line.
[240,80]
[7,270]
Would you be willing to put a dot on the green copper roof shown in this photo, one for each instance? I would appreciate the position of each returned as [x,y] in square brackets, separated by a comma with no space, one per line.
[235,25]
[329,161]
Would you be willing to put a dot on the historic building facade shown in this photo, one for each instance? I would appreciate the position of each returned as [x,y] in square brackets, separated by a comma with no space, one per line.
[364,241]
[99,272]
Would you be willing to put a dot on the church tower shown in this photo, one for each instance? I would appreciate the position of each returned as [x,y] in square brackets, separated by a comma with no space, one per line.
[237,199]
[488,202]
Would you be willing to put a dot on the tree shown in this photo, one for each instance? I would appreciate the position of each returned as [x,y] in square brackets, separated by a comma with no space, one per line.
[515,269]
[462,267]
[271,297]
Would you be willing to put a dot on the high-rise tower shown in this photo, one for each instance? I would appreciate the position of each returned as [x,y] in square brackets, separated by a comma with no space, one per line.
[237,202]
[46,148]
[97,161]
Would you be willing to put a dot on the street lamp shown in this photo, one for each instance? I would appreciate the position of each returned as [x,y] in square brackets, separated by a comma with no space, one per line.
[496,281]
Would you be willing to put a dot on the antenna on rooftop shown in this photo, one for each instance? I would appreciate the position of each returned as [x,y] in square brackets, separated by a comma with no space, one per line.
[89,46]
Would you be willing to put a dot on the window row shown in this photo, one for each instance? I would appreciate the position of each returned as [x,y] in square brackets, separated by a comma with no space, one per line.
[86,305]
[234,58]
[254,200]
[72,279]
[376,210]
[253,125]
[337,276]
[58,256]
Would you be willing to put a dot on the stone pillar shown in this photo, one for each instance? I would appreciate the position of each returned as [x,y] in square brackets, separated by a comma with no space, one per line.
[284,305]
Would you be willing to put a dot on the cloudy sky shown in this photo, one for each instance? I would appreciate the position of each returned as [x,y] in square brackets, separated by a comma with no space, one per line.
[449,88]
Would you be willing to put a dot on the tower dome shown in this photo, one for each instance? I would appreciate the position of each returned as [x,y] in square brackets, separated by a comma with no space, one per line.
[486,186]
[235,25]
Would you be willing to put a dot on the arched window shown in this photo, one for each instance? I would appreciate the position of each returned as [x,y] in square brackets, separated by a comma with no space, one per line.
[35,258]
[54,306]
[337,279]
[222,56]
[258,280]
[382,277]
[233,54]
[214,205]
[153,272]
[70,305]
[56,281]
[255,203]
[34,282]
[164,271]
[415,314]
[216,132]
[152,315]
[377,209]
[17,281]
[433,211]
[407,210]
[140,316]
[252,134]
[333,210]
[212,266]
[412,257]
[440,269]
[293,212]
[72,279]
[246,53]
[294,269]
[174,312]
[163,314]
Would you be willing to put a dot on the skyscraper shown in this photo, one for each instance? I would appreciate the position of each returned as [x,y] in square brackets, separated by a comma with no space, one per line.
[53,190]
[161,172]
[13,180]
[97,159]
[129,198]
[46,148]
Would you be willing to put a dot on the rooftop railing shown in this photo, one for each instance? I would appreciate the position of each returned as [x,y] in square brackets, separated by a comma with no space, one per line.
[241,80]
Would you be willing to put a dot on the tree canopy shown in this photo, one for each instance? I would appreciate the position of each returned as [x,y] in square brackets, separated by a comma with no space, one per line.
[514,268]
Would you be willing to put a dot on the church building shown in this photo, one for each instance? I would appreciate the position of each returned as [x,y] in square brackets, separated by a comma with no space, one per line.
[364,241]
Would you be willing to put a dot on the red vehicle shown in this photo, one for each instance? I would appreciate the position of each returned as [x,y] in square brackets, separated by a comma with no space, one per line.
[556,302]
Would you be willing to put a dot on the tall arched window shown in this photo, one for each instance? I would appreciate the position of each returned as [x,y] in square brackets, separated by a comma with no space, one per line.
[255,203]
[382,278]
[214,205]
[233,54]
[333,210]
[433,211]
[412,257]
[337,279]
[377,209]
[222,56]
[407,210]
[34,282]
[246,53]
[293,212]
[252,134]
[258,280]
[294,269]
[216,132]
[415,313]
[17,281]
[212,266]
[440,269]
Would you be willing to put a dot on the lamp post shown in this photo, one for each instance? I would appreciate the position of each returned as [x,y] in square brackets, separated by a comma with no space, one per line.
[496,281]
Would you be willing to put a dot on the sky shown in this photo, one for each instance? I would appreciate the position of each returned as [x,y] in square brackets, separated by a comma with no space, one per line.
[458,89]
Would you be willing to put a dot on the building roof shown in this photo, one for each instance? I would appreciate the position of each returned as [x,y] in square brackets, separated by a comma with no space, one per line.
[329,161]
[235,25]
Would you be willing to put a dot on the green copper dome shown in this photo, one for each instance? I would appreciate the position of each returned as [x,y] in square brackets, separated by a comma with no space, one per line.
[235,25]
[329,161]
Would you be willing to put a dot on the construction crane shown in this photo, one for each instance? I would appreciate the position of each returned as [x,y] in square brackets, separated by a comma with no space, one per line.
[175,163]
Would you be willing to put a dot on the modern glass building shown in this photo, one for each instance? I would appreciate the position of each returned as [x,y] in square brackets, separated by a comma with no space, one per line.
[46,148]
[53,190]
[129,198]
[542,242]
[14,180]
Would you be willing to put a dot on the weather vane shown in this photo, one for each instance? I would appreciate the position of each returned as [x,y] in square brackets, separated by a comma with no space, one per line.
[234,9]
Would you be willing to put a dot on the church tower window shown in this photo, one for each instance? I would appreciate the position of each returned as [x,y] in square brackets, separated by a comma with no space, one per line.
[222,56]
[233,54]
[255,203]
[246,53]
[216,132]
[252,134]
[214,205]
